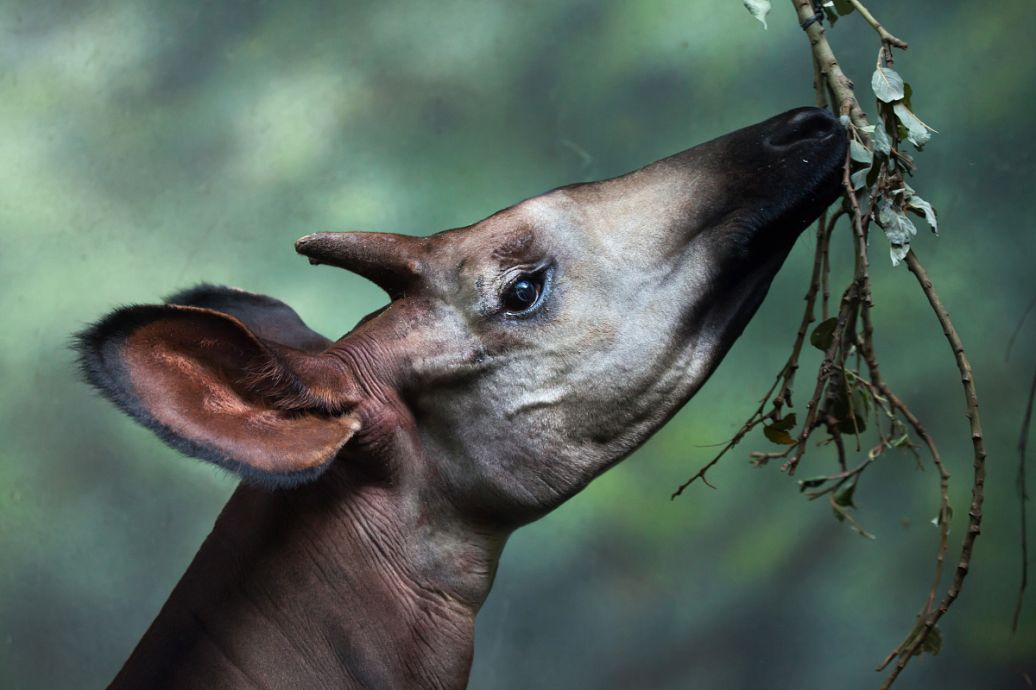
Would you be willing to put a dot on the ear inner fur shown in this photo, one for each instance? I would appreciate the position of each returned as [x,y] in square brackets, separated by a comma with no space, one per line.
[212,389]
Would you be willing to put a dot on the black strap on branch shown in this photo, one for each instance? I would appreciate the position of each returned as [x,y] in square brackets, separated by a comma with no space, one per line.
[818,16]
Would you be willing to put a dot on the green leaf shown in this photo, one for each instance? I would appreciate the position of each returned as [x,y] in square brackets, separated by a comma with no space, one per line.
[887,84]
[901,442]
[843,7]
[824,334]
[844,496]
[758,9]
[778,436]
[860,153]
[811,483]
[925,210]
[859,178]
[872,175]
[898,252]
[881,142]
[917,132]
[898,229]
[933,643]
[851,412]
[861,408]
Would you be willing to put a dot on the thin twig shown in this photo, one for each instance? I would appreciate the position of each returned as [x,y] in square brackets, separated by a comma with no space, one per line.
[1018,329]
[752,421]
[943,520]
[1023,498]
[979,465]
[823,234]
[886,37]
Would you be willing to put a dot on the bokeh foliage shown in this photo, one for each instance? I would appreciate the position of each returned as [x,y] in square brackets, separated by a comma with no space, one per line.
[147,146]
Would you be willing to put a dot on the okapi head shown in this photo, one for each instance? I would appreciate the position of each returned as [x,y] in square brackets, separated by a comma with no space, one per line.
[518,358]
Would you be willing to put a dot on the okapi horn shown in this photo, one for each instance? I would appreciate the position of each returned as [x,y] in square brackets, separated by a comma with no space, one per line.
[393,262]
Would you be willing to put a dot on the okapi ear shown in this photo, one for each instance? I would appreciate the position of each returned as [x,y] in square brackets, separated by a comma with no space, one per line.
[268,318]
[211,388]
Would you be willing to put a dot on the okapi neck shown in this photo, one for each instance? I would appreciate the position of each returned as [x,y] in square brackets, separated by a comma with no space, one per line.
[328,585]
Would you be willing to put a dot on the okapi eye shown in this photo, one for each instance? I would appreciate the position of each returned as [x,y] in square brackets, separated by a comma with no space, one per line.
[523,294]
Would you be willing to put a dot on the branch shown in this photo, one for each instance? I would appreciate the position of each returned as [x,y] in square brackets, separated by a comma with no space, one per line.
[886,37]
[841,85]
[1023,497]
[979,465]
[1018,329]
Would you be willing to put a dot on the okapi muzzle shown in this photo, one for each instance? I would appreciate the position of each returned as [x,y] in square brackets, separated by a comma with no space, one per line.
[517,358]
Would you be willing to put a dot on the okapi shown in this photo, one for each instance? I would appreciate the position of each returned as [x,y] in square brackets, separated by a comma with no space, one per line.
[517,359]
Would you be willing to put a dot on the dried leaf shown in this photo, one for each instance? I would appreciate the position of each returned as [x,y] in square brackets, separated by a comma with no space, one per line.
[785,424]
[778,436]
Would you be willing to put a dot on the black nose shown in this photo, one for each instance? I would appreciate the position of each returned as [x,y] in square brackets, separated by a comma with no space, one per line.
[804,125]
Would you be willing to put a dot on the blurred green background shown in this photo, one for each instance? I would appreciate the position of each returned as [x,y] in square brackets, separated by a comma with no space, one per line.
[148,146]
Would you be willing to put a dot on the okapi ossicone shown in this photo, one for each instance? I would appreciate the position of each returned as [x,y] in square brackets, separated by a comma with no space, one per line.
[517,359]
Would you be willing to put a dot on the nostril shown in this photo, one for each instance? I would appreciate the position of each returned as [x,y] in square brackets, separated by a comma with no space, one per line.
[807,124]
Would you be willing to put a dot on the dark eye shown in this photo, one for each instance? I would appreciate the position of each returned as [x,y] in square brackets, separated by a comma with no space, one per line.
[522,294]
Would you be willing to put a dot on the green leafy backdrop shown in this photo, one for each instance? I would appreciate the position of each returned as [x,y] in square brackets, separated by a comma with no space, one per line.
[147,146]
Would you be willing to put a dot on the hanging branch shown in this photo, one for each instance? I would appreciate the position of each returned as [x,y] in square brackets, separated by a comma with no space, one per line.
[915,640]
[850,392]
